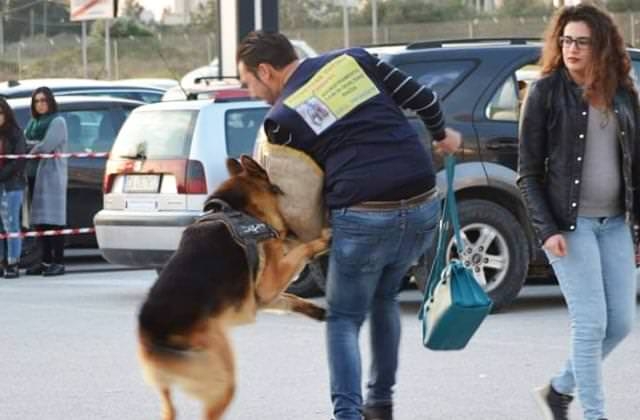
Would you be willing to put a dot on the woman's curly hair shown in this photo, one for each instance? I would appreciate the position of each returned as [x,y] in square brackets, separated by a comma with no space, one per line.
[610,67]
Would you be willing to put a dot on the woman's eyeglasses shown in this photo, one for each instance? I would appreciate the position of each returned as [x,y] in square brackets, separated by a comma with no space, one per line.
[582,42]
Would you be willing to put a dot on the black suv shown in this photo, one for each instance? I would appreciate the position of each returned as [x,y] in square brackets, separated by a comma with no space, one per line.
[481,83]
[92,123]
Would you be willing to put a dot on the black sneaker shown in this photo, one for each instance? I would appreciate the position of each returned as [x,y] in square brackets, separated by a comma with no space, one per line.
[383,412]
[554,405]
[12,272]
[35,270]
[54,270]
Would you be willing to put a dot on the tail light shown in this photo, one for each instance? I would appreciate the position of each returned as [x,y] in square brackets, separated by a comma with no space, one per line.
[195,181]
[189,174]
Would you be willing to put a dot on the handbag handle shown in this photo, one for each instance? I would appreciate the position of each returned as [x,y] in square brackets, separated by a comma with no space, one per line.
[449,217]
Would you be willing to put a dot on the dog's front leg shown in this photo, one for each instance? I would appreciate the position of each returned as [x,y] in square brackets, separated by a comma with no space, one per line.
[280,269]
[168,410]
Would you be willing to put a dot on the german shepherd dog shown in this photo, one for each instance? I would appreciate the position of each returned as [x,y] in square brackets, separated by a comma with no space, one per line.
[207,286]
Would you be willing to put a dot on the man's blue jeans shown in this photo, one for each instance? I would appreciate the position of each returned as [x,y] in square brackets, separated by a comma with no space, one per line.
[10,204]
[598,281]
[371,252]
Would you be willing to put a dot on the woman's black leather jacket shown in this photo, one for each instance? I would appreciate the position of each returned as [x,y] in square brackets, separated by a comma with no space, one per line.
[553,130]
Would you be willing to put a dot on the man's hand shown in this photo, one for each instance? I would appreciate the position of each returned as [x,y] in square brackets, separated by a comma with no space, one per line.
[556,245]
[450,143]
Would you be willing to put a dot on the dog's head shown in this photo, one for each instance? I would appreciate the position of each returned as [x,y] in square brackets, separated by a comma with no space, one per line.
[249,190]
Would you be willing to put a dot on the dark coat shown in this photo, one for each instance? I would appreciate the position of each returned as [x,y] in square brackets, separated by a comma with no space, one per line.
[553,130]
[12,172]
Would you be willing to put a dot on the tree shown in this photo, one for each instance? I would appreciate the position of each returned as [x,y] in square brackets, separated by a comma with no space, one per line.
[412,11]
[18,18]
[132,9]
[525,8]
[623,5]
[206,15]
[308,13]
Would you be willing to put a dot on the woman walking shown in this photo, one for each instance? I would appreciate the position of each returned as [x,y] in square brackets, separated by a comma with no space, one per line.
[578,172]
[12,183]
[47,131]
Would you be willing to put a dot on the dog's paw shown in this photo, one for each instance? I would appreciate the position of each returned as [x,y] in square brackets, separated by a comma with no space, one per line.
[326,234]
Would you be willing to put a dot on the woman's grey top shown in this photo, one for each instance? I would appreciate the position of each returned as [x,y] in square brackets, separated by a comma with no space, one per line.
[601,193]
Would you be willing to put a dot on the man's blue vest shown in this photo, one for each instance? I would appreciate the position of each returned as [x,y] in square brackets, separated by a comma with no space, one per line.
[336,108]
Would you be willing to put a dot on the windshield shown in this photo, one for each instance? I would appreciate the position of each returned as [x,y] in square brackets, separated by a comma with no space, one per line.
[155,134]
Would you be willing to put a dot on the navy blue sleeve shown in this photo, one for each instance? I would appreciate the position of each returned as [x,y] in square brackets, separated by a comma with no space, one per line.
[409,94]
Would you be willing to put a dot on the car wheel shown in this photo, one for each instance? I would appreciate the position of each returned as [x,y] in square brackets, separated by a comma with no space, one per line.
[31,252]
[496,250]
[311,282]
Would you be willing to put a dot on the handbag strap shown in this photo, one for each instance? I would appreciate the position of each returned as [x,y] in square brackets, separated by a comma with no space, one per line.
[452,209]
[448,217]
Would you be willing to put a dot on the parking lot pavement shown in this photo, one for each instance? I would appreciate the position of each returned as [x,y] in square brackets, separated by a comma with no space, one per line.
[67,351]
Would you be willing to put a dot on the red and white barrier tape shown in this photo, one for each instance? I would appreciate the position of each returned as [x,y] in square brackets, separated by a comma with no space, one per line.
[57,155]
[52,232]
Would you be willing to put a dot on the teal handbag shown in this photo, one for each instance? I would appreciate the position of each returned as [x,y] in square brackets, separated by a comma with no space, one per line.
[454,304]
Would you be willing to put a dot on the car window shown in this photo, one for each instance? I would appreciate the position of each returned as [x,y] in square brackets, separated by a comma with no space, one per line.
[242,128]
[89,130]
[504,103]
[157,134]
[22,116]
[507,100]
[150,97]
[635,71]
[440,76]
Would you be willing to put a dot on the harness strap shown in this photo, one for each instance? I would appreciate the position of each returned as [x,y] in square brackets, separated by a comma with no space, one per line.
[246,230]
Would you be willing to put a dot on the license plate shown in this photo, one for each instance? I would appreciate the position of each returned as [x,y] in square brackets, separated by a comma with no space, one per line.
[141,205]
[142,183]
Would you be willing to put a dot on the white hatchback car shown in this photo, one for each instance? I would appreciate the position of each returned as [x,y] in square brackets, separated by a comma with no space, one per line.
[165,161]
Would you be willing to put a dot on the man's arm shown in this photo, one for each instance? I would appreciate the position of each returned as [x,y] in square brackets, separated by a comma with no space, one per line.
[409,94]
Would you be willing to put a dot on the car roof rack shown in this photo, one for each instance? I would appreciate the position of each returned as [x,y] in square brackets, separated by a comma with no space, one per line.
[442,43]
[199,79]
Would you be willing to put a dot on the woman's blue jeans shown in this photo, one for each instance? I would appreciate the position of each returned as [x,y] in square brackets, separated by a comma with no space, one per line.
[371,252]
[10,204]
[598,281]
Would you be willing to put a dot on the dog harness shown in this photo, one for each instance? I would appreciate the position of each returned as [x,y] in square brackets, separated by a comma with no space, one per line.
[246,230]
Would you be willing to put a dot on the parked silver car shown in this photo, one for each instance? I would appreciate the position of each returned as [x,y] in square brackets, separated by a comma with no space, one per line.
[165,161]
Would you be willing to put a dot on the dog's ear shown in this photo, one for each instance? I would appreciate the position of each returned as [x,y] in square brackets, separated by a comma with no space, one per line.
[253,168]
[233,167]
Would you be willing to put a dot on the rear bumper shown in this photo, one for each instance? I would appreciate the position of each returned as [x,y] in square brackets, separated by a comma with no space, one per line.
[140,239]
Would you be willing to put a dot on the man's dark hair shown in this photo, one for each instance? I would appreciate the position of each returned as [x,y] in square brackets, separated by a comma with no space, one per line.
[265,47]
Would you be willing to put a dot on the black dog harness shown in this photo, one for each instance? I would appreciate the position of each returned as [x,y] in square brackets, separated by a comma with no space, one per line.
[246,230]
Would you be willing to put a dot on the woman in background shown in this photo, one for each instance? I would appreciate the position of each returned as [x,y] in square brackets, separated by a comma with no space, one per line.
[12,184]
[47,132]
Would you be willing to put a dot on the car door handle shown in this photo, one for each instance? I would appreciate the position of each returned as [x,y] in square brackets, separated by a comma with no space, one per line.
[504,144]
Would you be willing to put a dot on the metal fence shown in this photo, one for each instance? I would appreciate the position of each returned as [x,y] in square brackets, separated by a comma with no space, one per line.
[176,51]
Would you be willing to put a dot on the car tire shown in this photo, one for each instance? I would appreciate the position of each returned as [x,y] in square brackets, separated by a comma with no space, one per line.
[507,254]
[311,282]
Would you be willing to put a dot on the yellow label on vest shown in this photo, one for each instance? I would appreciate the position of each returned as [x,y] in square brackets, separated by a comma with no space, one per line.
[335,90]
